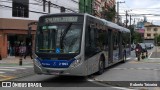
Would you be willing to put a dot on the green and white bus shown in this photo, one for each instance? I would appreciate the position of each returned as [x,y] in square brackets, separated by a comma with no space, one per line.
[78,44]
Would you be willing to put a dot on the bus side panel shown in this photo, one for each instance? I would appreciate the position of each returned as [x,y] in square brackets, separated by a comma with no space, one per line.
[93,64]
[96,44]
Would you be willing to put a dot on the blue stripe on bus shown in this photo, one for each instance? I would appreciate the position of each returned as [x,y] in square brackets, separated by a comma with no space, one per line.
[56,63]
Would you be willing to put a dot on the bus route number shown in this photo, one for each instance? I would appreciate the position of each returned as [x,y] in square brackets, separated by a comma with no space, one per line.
[63,64]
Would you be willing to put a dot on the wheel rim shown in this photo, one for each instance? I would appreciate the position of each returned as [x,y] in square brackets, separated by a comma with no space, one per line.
[101,65]
[124,58]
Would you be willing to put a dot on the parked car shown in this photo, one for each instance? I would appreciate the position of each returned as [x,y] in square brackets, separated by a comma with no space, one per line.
[149,45]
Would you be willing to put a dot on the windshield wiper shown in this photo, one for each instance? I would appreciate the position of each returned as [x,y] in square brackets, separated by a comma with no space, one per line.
[64,34]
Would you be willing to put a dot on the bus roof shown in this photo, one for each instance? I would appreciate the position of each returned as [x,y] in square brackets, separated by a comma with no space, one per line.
[59,14]
[107,23]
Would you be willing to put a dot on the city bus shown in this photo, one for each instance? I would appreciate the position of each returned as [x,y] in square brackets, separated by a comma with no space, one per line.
[78,44]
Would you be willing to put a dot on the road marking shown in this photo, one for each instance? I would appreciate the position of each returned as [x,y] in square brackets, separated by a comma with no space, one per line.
[128,58]
[3,68]
[100,82]
[14,67]
[155,69]
[2,72]
[150,55]
[5,78]
[8,69]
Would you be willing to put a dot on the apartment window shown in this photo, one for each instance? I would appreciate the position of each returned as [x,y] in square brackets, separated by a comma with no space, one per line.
[148,34]
[155,34]
[148,29]
[155,29]
[20,8]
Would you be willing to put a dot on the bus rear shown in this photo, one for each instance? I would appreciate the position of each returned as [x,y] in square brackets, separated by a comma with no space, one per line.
[59,45]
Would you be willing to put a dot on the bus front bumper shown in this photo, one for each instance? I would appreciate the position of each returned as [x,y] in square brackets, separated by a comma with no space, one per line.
[76,70]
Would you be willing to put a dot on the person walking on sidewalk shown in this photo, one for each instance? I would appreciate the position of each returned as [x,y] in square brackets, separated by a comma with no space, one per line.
[28,50]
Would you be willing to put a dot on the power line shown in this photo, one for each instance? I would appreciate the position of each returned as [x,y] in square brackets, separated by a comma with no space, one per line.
[50,3]
[54,5]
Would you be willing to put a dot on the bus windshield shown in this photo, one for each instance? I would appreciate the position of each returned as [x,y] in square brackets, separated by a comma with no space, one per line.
[59,38]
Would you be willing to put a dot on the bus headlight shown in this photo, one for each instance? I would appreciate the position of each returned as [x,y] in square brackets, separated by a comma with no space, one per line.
[75,63]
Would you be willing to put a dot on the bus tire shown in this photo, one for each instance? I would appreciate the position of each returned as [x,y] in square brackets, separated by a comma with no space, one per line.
[101,66]
[124,58]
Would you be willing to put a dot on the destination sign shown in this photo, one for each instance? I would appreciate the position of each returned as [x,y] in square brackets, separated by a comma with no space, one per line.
[61,19]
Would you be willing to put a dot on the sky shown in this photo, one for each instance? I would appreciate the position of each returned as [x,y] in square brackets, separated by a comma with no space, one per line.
[139,7]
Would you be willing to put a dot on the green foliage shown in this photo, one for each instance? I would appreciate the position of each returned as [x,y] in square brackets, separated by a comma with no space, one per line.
[157,39]
[137,37]
[109,14]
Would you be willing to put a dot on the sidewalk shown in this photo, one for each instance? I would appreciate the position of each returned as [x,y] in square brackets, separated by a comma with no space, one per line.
[156,53]
[12,60]
[10,68]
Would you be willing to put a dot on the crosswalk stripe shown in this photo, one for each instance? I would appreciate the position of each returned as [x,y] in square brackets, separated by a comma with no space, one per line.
[128,58]
[13,67]
[2,72]
[7,69]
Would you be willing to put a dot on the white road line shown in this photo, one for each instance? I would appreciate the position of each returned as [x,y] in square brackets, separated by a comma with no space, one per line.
[13,67]
[150,55]
[8,69]
[2,72]
[153,58]
[114,87]
[128,58]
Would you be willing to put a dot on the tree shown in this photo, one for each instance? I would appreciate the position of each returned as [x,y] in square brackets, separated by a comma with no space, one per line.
[137,37]
[157,40]
[109,14]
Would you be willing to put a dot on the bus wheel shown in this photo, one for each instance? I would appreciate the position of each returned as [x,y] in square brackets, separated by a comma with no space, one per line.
[124,58]
[101,66]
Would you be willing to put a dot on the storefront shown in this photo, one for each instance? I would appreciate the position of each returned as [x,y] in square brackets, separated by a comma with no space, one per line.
[13,32]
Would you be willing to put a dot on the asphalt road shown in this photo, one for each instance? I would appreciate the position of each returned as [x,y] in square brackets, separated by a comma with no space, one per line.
[130,71]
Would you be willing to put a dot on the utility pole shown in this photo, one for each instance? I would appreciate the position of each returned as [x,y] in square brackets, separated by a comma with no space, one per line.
[44,5]
[118,11]
[49,6]
[126,18]
[62,9]
[130,20]
[84,6]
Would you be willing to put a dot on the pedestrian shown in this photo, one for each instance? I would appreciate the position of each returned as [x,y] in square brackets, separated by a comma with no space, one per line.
[28,50]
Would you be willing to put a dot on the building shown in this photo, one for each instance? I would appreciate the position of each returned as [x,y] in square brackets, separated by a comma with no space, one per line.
[140,27]
[95,7]
[85,6]
[15,16]
[102,5]
[151,31]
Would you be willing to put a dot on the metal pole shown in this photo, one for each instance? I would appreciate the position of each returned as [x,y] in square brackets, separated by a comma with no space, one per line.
[117,12]
[130,20]
[84,6]
[49,6]
[156,44]
[44,5]
[20,60]
[126,19]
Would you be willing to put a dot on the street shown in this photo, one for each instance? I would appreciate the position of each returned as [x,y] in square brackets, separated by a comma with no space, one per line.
[75,38]
[133,70]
